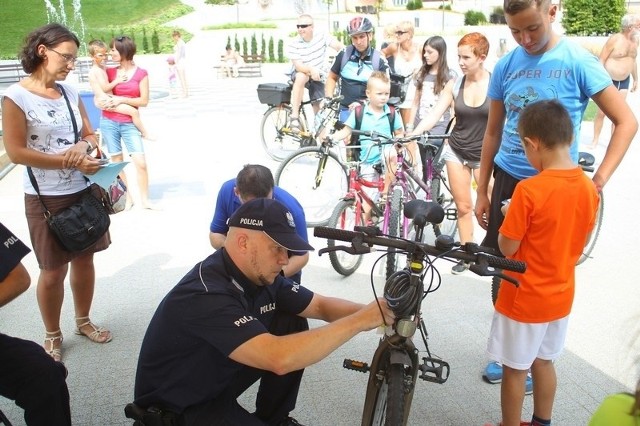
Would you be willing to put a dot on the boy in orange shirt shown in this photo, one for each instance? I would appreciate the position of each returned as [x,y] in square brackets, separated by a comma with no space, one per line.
[546,225]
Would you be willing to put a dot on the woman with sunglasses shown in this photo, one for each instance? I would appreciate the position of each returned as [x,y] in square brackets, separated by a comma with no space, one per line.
[38,117]
[117,128]
[406,62]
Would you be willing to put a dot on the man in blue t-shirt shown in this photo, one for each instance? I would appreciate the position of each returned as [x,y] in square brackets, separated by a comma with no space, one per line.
[256,181]
[543,66]
[234,320]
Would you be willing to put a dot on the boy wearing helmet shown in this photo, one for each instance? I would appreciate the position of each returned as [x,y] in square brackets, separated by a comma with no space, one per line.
[355,69]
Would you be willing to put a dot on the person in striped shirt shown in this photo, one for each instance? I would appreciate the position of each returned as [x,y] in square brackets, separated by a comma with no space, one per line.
[308,57]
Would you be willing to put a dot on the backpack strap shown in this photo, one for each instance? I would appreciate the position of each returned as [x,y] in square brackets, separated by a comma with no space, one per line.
[348,51]
[392,118]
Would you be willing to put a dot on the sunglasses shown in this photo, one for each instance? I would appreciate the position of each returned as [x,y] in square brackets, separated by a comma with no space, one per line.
[121,38]
[303,25]
[399,33]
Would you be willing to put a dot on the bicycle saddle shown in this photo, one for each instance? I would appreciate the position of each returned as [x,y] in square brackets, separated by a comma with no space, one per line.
[586,159]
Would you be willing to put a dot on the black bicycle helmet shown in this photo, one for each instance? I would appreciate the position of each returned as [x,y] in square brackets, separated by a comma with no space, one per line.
[359,25]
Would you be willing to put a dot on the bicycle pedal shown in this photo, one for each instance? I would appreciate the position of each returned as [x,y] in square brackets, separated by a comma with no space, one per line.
[434,370]
[451,214]
[360,366]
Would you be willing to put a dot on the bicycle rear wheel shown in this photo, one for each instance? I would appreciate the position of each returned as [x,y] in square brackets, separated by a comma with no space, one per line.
[345,216]
[395,229]
[593,237]
[316,179]
[390,398]
[277,139]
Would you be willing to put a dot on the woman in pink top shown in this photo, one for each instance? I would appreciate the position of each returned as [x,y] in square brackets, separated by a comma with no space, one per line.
[117,128]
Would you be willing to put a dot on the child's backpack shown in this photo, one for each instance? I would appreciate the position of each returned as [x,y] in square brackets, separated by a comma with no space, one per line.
[354,154]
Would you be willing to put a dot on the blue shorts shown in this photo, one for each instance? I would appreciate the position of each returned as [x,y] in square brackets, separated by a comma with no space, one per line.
[622,84]
[114,133]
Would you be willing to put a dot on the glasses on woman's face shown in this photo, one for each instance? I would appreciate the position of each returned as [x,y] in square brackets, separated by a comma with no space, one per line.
[400,33]
[69,59]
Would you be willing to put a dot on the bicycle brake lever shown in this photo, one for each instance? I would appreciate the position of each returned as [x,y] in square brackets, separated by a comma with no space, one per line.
[359,249]
[485,271]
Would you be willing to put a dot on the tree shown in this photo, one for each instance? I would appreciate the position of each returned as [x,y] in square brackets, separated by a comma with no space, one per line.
[592,17]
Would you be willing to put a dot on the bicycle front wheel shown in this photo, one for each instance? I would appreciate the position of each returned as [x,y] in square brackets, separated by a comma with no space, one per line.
[593,237]
[390,398]
[277,139]
[395,228]
[345,216]
[316,179]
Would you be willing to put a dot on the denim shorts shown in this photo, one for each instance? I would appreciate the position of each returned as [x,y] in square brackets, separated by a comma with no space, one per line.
[113,133]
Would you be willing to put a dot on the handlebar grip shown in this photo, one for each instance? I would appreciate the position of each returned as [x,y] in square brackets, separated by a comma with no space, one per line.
[508,264]
[334,234]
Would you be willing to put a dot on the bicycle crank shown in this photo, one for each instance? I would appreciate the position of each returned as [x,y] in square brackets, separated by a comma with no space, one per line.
[434,370]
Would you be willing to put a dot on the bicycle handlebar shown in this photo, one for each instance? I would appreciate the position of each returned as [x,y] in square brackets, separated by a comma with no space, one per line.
[386,139]
[483,260]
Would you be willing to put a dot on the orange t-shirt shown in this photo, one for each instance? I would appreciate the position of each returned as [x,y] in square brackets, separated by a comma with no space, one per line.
[551,214]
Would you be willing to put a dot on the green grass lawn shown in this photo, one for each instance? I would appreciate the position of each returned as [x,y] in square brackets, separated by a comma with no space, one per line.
[102,19]
[590,112]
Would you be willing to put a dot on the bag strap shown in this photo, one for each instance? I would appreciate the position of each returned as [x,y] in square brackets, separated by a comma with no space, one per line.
[32,178]
[76,135]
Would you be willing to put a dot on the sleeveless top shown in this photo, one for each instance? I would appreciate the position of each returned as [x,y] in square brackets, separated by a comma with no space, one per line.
[471,123]
[428,101]
[408,69]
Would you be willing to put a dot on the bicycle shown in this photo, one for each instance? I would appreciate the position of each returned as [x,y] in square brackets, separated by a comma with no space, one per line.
[319,177]
[586,161]
[395,366]
[278,139]
[349,211]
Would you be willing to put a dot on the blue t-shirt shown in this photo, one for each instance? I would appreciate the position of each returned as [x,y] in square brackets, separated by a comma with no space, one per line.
[228,202]
[371,121]
[567,72]
[354,75]
[184,358]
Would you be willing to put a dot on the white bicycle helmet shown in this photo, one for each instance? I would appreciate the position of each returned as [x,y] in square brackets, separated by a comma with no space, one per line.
[359,25]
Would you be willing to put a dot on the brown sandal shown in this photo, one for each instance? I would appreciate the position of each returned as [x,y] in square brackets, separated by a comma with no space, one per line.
[51,338]
[98,335]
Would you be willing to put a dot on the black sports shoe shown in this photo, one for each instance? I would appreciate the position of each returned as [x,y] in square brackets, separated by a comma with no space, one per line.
[290,421]
[459,267]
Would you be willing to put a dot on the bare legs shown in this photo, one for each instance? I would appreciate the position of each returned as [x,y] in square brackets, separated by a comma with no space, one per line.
[299,82]
[142,176]
[50,295]
[512,391]
[460,181]
[598,122]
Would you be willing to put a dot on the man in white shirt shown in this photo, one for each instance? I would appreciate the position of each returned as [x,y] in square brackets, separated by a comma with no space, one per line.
[308,56]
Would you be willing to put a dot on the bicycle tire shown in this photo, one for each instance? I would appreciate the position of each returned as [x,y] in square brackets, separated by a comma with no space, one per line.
[593,237]
[277,141]
[394,229]
[345,216]
[390,398]
[298,174]
[449,225]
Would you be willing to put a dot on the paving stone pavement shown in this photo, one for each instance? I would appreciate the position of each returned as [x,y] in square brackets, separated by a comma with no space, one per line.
[203,140]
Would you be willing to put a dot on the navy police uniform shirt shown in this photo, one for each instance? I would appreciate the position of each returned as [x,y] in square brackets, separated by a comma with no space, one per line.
[12,250]
[184,359]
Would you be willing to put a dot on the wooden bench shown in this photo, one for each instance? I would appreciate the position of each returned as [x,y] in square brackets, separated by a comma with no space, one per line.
[11,73]
[252,66]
